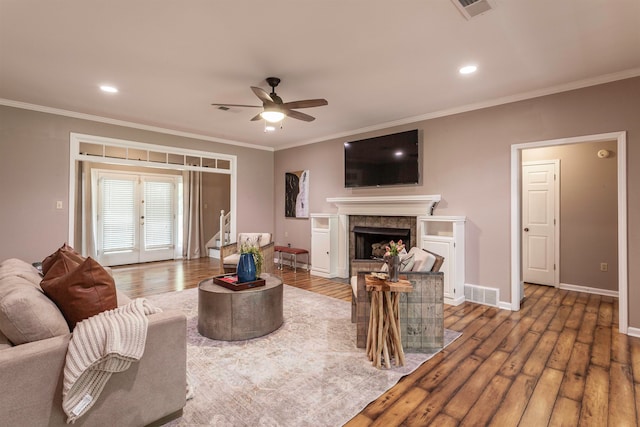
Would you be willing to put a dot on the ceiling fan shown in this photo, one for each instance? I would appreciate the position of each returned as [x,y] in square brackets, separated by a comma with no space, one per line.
[274,109]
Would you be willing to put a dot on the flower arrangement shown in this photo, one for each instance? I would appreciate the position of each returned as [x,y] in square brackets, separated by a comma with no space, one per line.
[394,249]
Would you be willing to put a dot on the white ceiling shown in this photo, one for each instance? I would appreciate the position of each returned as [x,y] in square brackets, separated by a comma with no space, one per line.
[377,62]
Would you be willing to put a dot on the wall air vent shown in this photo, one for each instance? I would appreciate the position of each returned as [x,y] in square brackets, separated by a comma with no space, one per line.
[472,8]
[481,294]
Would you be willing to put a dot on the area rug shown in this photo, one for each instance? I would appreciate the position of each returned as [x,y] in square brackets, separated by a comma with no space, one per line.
[307,373]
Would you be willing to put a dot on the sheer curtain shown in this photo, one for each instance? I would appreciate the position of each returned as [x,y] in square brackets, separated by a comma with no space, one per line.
[194,243]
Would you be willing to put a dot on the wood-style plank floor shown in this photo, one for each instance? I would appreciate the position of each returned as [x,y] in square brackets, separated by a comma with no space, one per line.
[559,361]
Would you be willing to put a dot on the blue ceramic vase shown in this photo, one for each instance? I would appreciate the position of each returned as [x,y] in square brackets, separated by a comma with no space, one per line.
[246,268]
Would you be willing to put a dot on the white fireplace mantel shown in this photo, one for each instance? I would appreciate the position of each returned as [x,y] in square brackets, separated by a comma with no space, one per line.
[386,205]
[420,205]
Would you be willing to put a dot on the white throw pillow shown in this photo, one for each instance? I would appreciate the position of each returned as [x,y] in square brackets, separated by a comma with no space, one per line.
[423,261]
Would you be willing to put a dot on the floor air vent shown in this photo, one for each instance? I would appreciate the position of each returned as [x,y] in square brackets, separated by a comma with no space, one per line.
[472,8]
[482,295]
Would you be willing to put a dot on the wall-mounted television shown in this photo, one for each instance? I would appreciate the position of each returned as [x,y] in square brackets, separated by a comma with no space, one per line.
[383,160]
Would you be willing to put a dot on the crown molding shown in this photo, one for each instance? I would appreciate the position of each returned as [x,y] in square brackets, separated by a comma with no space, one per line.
[579,84]
[107,120]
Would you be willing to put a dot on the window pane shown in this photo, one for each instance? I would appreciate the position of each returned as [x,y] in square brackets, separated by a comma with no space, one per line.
[118,213]
[158,214]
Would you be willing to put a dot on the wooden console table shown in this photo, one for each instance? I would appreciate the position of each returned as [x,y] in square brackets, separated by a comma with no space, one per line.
[291,251]
[383,336]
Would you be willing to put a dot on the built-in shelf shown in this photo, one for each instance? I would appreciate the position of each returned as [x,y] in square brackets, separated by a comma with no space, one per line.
[444,235]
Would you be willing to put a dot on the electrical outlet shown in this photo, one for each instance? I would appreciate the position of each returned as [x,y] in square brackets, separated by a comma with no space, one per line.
[59,204]
[604,266]
[286,234]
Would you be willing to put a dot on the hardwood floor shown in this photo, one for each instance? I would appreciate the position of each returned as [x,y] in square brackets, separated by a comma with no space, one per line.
[559,361]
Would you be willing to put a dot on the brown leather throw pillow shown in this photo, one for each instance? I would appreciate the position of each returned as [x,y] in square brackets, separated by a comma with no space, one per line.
[49,261]
[81,291]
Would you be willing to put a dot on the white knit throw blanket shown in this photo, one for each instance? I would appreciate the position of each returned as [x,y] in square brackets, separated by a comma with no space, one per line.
[101,345]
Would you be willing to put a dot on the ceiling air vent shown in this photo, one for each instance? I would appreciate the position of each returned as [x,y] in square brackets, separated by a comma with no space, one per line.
[472,8]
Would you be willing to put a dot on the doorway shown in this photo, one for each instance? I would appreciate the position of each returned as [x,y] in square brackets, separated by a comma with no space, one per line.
[218,171]
[136,217]
[540,216]
[620,200]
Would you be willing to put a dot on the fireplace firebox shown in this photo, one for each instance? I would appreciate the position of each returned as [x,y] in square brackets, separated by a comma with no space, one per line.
[370,242]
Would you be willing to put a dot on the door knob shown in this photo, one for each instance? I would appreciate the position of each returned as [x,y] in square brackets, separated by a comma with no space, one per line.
[526,229]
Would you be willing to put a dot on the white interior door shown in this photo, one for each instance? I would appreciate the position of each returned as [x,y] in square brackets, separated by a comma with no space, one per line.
[539,222]
[136,217]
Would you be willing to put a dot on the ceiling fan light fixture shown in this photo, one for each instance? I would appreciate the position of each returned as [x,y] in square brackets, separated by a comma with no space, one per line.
[272,116]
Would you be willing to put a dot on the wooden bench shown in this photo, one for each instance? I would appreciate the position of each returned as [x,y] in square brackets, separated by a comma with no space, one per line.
[291,251]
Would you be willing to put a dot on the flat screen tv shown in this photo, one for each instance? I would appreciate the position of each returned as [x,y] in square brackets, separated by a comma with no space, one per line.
[383,160]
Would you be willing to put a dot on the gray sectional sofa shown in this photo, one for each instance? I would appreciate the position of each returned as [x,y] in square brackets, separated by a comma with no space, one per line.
[33,347]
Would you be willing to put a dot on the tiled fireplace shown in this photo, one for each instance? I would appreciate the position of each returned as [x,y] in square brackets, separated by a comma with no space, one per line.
[384,217]
[367,232]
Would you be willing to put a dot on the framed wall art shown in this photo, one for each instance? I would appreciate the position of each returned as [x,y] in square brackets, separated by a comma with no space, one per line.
[296,197]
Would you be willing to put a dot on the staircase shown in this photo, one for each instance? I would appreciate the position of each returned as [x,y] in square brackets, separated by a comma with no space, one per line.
[222,237]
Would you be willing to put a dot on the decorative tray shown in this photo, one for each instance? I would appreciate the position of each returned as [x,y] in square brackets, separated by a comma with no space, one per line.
[230,281]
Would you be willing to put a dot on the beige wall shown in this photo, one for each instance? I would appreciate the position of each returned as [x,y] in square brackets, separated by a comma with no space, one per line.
[216,197]
[34,171]
[588,220]
[467,161]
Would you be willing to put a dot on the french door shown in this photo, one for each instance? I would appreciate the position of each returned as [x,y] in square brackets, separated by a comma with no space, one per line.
[136,217]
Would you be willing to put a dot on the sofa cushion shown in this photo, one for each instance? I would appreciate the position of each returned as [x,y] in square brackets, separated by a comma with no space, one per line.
[232,259]
[26,314]
[4,342]
[123,299]
[20,268]
[79,292]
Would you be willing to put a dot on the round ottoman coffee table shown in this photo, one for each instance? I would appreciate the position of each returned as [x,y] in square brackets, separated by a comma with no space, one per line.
[224,314]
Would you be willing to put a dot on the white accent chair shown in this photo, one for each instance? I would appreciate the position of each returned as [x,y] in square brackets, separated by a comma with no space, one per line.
[230,253]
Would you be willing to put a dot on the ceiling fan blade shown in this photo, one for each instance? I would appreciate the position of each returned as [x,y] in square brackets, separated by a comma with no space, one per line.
[237,105]
[306,103]
[300,116]
[262,94]
[256,117]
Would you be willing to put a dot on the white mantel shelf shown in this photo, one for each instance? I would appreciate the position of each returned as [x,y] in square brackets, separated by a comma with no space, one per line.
[386,205]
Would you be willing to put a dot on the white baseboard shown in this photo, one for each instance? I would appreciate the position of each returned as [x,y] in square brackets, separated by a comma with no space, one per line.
[454,301]
[214,253]
[504,305]
[588,290]
[633,332]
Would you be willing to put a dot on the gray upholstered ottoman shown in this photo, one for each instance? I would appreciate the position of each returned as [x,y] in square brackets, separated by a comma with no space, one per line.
[224,314]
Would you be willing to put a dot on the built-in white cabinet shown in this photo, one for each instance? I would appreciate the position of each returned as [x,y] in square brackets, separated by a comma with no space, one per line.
[324,245]
[444,235]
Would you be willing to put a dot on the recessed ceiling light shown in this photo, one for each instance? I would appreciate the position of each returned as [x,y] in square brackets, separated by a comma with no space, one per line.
[108,89]
[399,153]
[468,69]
